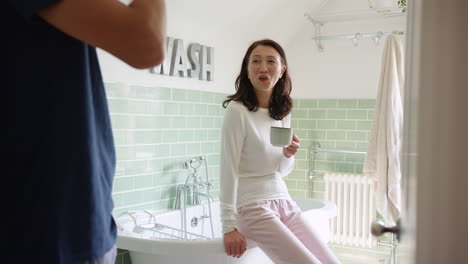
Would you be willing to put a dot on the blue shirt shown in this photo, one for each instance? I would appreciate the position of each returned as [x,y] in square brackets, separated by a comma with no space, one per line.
[61,156]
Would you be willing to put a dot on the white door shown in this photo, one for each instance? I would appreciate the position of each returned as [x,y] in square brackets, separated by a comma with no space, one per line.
[442,174]
[405,251]
[435,164]
[407,248]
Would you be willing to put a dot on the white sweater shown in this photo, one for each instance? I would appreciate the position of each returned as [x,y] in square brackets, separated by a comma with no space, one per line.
[251,168]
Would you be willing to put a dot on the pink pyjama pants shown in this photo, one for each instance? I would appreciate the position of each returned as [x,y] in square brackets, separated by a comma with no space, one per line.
[282,232]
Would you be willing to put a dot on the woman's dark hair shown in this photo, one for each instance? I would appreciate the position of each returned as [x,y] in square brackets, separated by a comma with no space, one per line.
[281,102]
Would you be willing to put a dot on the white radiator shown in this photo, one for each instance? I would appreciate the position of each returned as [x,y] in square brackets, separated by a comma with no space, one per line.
[354,199]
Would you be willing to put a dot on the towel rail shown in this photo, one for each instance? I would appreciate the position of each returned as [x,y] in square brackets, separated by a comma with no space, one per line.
[316,148]
[339,150]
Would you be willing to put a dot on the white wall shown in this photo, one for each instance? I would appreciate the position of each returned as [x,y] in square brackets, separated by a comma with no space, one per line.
[227,57]
[116,71]
[230,26]
[341,70]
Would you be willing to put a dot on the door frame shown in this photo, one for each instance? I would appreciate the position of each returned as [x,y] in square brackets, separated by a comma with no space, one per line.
[440,77]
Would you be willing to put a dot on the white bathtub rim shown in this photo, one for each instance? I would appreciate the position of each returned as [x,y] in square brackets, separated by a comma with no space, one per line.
[166,247]
[137,243]
[327,209]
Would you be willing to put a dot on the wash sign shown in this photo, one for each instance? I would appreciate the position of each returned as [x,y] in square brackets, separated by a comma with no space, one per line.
[200,58]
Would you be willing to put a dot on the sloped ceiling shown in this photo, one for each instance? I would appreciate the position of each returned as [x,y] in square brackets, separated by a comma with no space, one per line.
[253,17]
[281,19]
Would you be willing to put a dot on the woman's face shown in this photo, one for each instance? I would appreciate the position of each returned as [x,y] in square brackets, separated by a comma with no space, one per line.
[265,68]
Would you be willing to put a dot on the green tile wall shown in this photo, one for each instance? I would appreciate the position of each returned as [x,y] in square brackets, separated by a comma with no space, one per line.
[333,123]
[157,128]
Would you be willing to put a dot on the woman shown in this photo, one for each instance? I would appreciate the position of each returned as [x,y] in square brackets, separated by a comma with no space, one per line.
[255,202]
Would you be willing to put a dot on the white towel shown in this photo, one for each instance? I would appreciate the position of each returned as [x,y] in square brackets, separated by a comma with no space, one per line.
[383,154]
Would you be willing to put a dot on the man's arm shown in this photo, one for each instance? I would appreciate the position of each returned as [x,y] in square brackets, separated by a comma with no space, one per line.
[135,34]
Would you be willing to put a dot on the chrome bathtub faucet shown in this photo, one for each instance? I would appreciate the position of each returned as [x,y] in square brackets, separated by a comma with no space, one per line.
[192,188]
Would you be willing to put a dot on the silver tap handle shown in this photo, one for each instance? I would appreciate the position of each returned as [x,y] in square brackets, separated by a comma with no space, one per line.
[378,228]
[202,184]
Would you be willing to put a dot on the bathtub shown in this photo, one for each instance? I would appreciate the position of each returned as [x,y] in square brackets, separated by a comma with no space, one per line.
[202,244]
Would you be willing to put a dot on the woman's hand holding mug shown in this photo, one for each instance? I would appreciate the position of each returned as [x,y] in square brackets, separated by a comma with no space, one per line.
[290,150]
